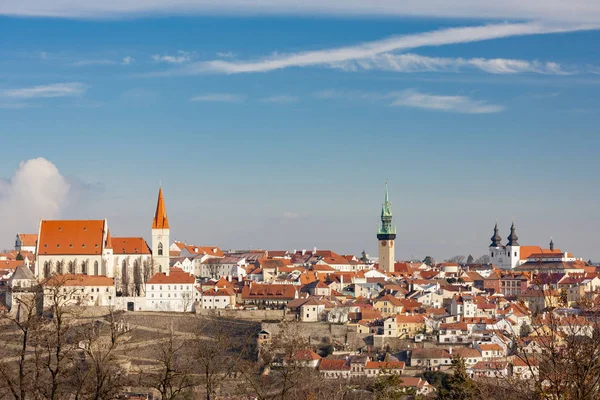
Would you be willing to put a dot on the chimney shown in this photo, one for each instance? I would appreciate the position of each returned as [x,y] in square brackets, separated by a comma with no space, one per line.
[450,350]
[303,251]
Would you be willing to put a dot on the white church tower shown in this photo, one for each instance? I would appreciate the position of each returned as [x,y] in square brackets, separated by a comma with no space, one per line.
[160,236]
[513,248]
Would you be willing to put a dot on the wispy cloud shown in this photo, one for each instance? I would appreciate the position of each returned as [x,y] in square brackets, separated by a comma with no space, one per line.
[416,99]
[550,10]
[457,104]
[409,62]
[372,50]
[181,57]
[92,62]
[225,54]
[279,99]
[46,91]
[219,98]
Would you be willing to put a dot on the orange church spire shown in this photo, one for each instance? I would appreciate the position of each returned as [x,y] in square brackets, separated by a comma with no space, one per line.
[160,218]
[108,240]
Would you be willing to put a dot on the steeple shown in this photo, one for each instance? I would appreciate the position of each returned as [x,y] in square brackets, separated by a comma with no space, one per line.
[551,244]
[160,217]
[496,239]
[108,240]
[386,227]
[513,238]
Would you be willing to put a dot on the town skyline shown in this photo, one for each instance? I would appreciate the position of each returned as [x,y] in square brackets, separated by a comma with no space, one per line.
[184,229]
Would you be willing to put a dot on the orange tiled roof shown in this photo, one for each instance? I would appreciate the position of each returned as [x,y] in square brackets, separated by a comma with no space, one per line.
[527,251]
[160,217]
[130,245]
[28,239]
[176,275]
[72,237]
[269,291]
[78,280]
[10,264]
[384,365]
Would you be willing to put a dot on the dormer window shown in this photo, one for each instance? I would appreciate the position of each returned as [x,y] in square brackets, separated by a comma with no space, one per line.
[83,245]
[85,228]
[71,245]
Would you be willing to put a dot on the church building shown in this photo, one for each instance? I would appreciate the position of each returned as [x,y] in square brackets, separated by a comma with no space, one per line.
[86,247]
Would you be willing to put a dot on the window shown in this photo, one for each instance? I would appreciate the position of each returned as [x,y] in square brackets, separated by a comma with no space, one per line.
[96,268]
[160,249]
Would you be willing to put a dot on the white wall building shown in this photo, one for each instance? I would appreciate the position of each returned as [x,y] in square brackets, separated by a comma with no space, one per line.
[171,292]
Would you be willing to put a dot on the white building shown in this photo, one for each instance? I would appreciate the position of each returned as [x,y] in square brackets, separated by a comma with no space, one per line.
[78,289]
[218,298]
[26,242]
[170,292]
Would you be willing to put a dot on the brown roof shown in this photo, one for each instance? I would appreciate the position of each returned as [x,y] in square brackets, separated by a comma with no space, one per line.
[328,364]
[160,217]
[269,291]
[384,365]
[73,237]
[78,280]
[130,245]
[28,239]
[176,275]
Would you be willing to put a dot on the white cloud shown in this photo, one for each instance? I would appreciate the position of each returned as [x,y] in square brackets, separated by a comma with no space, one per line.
[219,98]
[549,10]
[182,57]
[416,63]
[36,190]
[368,51]
[225,54]
[415,99]
[86,63]
[279,99]
[127,60]
[44,91]
[457,104]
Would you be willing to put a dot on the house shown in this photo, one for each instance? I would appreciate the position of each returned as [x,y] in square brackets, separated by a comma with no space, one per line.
[21,287]
[489,369]
[388,305]
[457,332]
[404,325]
[172,292]
[79,289]
[419,385]
[218,298]
[312,310]
[430,358]
[375,368]
[26,242]
[334,368]
[490,351]
[306,358]
[268,295]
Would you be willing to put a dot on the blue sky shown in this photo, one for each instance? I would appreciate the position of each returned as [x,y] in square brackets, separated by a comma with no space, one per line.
[276,127]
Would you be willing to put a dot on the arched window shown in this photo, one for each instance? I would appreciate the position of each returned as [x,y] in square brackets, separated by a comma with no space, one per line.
[71,267]
[160,249]
[124,279]
[96,269]
[59,266]
[84,267]
[47,269]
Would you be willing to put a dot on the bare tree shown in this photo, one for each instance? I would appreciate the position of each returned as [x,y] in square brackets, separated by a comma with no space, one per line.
[456,259]
[173,377]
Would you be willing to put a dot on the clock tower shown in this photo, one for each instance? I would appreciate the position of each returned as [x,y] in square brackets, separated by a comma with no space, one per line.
[386,236]
[160,236]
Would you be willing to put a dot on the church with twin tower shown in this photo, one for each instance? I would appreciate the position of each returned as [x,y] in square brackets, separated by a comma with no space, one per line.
[386,235]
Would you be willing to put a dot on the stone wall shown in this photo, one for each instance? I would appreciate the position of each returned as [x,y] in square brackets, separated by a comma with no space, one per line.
[318,332]
[249,315]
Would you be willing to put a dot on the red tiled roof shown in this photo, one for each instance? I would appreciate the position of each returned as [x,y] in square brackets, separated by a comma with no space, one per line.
[269,291]
[130,245]
[176,275]
[333,365]
[28,239]
[72,237]
[384,365]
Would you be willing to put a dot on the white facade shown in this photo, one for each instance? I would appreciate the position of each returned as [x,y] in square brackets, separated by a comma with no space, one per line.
[170,297]
[505,257]
[160,249]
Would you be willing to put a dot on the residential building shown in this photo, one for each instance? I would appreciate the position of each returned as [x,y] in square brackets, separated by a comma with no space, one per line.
[170,292]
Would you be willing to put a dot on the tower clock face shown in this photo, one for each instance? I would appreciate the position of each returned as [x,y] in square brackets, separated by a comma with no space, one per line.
[383,243]
[159,237]
[391,243]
